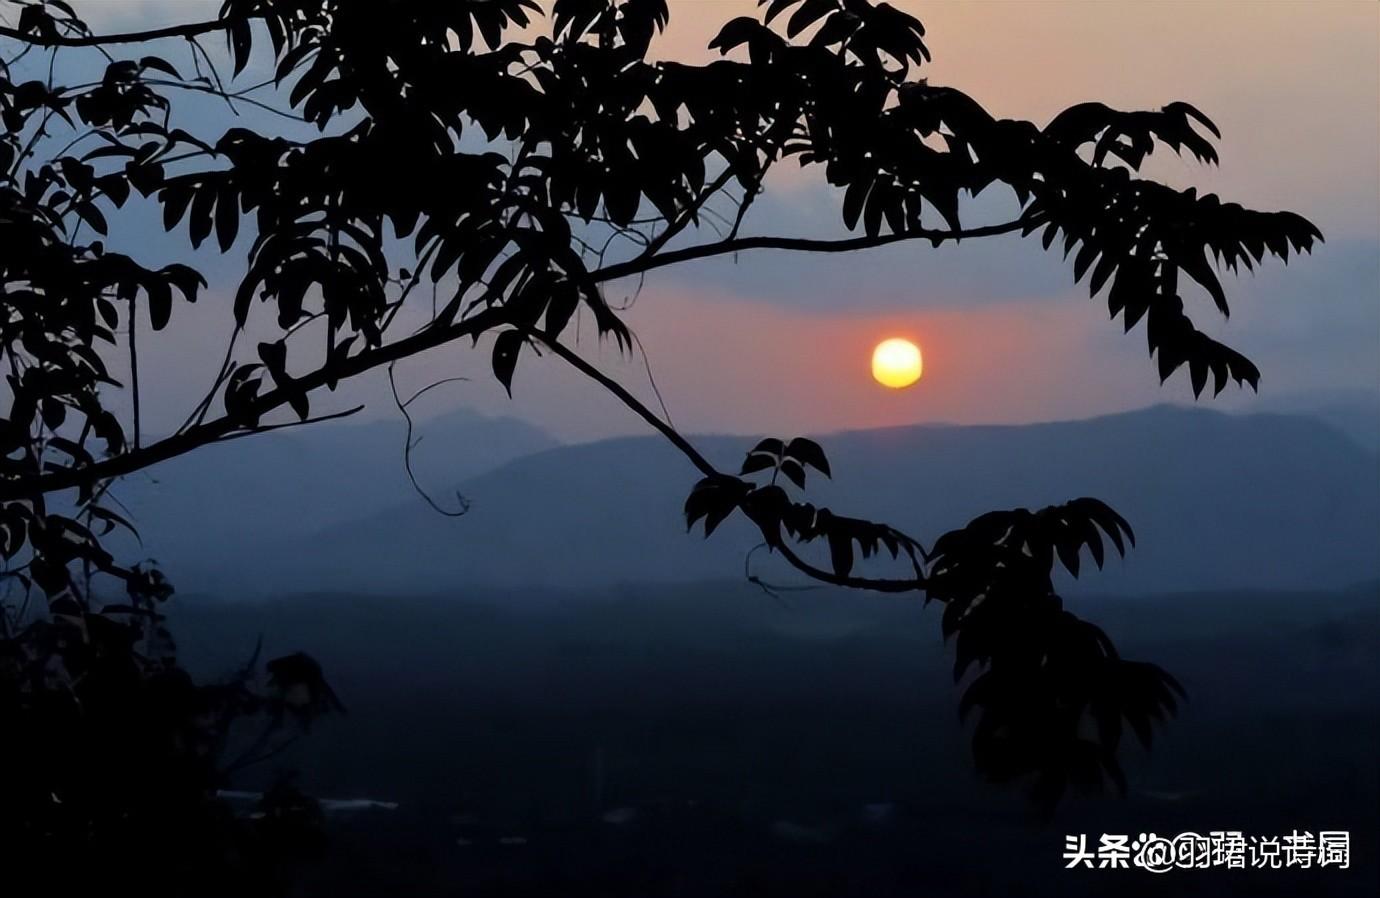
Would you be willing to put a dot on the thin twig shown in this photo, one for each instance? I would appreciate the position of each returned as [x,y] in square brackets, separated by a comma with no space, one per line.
[134,364]
[409,444]
[647,363]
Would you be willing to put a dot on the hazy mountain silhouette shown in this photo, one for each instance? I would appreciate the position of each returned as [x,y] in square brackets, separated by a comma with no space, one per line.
[222,507]
[1217,501]
[1355,413]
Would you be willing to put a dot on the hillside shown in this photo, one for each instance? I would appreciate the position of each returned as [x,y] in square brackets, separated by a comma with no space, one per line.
[1217,501]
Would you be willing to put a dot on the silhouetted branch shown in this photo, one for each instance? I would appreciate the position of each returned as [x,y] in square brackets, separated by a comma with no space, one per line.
[688,449]
[687,214]
[850,581]
[799,244]
[219,428]
[198,414]
[628,399]
[189,31]
[267,428]
[218,90]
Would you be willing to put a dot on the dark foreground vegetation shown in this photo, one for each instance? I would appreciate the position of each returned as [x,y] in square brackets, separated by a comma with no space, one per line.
[717,741]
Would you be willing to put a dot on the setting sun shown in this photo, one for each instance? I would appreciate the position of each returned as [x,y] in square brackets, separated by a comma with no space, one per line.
[896,363]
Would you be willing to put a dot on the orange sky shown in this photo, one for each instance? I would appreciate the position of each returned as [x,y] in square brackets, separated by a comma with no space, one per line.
[1295,89]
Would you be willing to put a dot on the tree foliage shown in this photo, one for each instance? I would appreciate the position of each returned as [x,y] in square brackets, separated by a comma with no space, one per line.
[521,167]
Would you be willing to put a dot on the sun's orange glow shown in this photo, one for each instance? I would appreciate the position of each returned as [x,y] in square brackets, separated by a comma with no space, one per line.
[896,363]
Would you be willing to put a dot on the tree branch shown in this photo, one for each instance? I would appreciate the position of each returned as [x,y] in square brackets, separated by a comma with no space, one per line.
[269,428]
[687,215]
[627,399]
[189,30]
[869,583]
[700,462]
[798,244]
[220,428]
[431,337]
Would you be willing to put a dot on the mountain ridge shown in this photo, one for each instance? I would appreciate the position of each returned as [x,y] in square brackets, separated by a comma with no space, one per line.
[1218,500]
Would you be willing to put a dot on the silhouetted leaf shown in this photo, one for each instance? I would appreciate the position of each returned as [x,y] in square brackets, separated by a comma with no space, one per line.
[808,452]
[92,216]
[758,461]
[793,470]
[505,357]
[841,553]
[227,217]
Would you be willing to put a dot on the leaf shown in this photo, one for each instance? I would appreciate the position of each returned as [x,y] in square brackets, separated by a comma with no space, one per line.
[88,213]
[240,392]
[158,64]
[186,279]
[793,470]
[621,199]
[175,199]
[1068,554]
[1101,272]
[1196,266]
[111,519]
[853,199]
[757,461]
[734,33]
[506,349]
[808,452]
[809,12]
[200,224]
[713,498]
[776,8]
[274,357]
[841,553]
[115,187]
[227,217]
[560,310]
[109,314]
[240,39]
[298,402]
[716,515]
[160,303]
[1192,112]
[771,446]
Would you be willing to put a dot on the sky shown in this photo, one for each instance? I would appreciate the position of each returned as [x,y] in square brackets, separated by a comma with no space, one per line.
[780,342]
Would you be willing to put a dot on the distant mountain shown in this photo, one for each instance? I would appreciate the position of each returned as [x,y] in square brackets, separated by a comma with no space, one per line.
[1355,413]
[1217,501]
[223,507]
